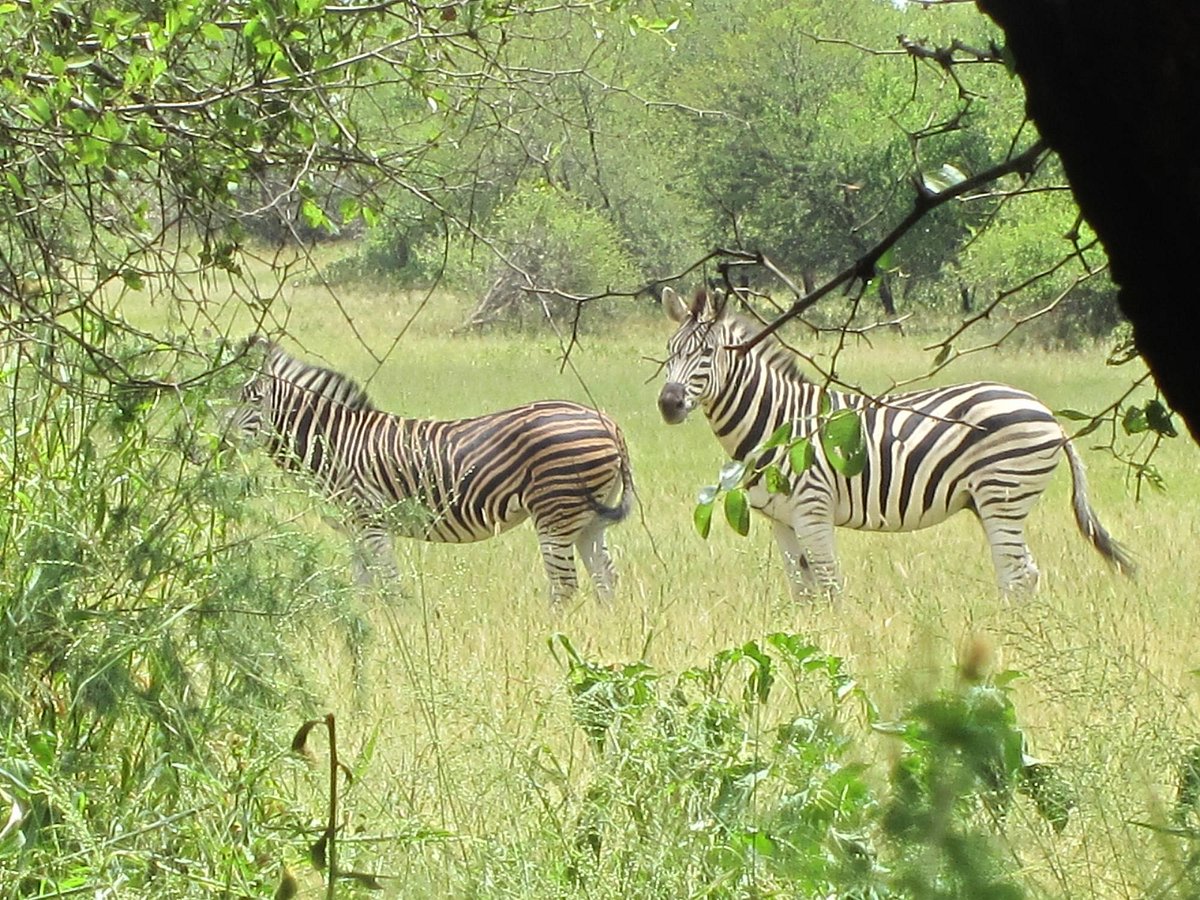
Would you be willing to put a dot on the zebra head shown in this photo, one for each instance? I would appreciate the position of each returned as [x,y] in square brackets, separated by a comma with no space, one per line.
[251,416]
[696,355]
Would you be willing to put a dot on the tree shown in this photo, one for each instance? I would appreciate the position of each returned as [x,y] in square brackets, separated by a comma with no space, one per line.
[1126,125]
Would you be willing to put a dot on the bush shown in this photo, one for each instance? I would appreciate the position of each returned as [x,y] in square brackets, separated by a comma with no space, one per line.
[148,624]
[747,777]
[543,239]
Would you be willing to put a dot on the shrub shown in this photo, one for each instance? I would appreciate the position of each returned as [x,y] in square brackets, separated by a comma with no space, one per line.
[148,619]
[546,244]
[748,777]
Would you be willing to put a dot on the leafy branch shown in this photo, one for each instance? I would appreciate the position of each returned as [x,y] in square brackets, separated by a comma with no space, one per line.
[790,450]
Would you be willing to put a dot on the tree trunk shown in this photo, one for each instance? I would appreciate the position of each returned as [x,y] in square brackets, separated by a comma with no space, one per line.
[1114,88]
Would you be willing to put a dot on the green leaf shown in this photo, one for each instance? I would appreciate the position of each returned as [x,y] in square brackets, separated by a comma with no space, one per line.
[775,481]
[708,494]
[843,442]
[943,354]
[1134,420]
[887,261]
[1003,679]
[313,214]
[779,437]
[702,519]
[801,455]
[1073,414]
[737,511]
[1158,418]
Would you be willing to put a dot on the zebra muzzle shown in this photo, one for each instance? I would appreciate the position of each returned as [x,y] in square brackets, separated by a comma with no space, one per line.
[672,403]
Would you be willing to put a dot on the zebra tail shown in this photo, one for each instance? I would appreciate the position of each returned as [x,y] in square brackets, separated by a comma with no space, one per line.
[621,511]
[1089,525]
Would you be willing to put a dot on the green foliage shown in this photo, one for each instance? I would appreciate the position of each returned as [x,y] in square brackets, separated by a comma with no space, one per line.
[735,773]
[1149,424]
[780,459]
[964,757]
[546,239]
[747,772]
[148,622]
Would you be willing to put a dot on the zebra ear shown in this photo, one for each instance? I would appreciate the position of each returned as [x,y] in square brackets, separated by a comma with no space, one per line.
[257,349]
[259,342]
[674,306]
[701,304]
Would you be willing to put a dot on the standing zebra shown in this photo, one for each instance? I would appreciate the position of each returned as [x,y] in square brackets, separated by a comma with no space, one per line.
[558,463]
[985,447]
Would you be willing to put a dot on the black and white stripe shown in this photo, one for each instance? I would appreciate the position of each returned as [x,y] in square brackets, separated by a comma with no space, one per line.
[987,447]
[558,463]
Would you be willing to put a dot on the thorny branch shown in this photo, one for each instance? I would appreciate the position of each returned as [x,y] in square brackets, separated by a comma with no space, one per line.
[863,269]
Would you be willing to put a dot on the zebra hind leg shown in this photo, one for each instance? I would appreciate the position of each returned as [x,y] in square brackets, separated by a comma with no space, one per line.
[596,558]
[1016,572]
[559,558]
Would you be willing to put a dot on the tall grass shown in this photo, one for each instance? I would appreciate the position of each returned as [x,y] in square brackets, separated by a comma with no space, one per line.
[472,775]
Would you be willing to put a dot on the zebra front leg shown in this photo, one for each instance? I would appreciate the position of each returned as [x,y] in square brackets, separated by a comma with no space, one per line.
[795,564]
[375,558]
[815,537]
[597,560]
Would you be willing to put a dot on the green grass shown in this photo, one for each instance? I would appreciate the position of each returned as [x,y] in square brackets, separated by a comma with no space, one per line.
[469,762]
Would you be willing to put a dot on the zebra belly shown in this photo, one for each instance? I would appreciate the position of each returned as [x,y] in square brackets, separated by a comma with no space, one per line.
[851,507]
[413,519]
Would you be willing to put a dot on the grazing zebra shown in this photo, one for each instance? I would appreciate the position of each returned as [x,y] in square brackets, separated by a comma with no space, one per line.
[985,447]
[558,463]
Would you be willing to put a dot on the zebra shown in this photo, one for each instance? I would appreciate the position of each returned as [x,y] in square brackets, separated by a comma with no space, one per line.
[558,463]
[987,447]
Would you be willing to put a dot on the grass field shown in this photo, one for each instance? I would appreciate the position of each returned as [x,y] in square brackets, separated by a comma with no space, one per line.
[458,722]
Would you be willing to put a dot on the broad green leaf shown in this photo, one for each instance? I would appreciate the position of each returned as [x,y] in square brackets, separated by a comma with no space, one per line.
[1134,420]
[801,455]
[775,481]
[843,442]
[779,437]
[702,519]
[313,214]
[1158,418]
[737,511]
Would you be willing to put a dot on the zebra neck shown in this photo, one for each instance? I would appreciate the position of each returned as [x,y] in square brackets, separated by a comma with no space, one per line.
[756,399]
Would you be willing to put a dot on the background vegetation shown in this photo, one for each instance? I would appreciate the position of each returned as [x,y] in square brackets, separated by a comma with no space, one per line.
[366,184]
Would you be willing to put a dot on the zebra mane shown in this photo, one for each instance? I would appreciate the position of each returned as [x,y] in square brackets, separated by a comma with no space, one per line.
[770,350]
[326,383]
